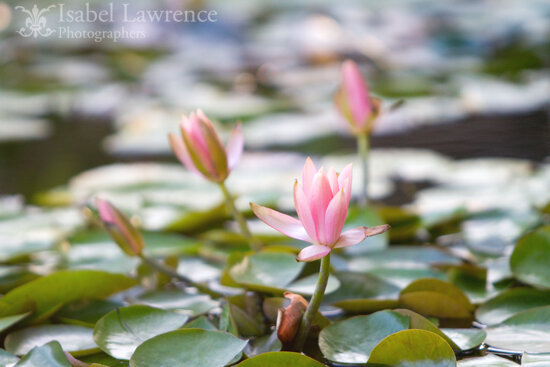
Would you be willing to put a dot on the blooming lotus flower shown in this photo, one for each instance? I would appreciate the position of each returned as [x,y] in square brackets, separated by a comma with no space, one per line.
[321,201]
[127,237]
[353,99]
[201,150]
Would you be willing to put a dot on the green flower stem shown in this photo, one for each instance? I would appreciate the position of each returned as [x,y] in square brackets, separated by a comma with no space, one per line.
[163,268]
[363,146]
[314,303]
[237,215]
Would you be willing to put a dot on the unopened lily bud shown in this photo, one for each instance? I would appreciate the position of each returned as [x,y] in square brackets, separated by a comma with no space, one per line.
[354,101]
[127,237]
[290,317]
[200,150]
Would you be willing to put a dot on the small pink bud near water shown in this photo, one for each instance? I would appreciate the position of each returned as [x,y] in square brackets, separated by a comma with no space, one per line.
[353,99]
[127,237]
[321,201]
[200,150]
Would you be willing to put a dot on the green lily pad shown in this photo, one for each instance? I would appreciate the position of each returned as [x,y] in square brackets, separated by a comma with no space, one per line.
[366,217]
[263,344]
[535,359]
[358,286]
[277,359]
[7,359]
[352,340]
[510,302]
[190,304]
[121,331]
[413,348]
[45,295]
[418,321]
[486,361]
[74,339]
[47,355]
[306,286]
[200,322]
[85,312]
[466,338]
[527,331]
[188,348]
[434,297]
[529,261]
[6,322]
[268,272]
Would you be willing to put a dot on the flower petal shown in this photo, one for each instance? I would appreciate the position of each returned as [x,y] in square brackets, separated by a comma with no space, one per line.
[319,198]
[281,222]
[373,231]
[304,212]
[180,150]
[335,217]
[333,180]
[351,237]
[313,252]
[308,173]
[345,180]
[235,146]
[357,93]
[356,235]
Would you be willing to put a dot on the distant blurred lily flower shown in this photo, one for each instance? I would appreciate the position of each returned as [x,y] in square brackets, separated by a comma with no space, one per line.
[199,148]
[321,201]
[353,100]
[127,237]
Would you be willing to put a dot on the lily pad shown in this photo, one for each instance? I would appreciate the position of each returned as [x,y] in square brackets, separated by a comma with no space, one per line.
[45,295]
[47,355]
[74,339]
[190,304]
[466,338]
[352,340]
[527,331]
[510,302]
[6,322]
[486,361]
[268,272]
[276,359]
[188,348]
[413,348]
[529,259]
[434,297]
[120,332]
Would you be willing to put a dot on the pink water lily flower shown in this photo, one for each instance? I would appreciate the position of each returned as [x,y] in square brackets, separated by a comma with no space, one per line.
[353,99]
[201,150]
[321,201]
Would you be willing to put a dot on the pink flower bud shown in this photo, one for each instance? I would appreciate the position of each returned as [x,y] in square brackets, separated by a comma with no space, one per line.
[321,201]
[127,237]
[201,151]
[353,99]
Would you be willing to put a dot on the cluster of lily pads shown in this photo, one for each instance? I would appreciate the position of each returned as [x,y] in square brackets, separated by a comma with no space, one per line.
[451,284]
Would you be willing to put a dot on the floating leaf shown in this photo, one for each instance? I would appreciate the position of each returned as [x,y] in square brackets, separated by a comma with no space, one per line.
[510,302]
[75,339]
[188,348]
[47,355]
[85,312]
[352,340]
[529,261]
[466,338]
[45,295]
[413,348]
[6,322]
[277,359]
[190,304]
[434,297]
[7,359]
[418,321]
[263,344]
[526,331]
[486,361]
[266,271]
[121,331]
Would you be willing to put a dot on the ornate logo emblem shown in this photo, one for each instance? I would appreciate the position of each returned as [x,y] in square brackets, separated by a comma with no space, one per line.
[35,24]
